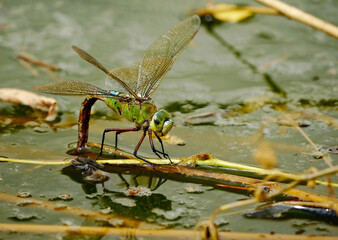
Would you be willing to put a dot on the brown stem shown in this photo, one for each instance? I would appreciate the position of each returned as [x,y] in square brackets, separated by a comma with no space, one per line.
[37,62]
[134,233]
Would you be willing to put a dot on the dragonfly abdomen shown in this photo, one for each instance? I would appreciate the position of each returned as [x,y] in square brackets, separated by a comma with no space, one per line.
[133,110]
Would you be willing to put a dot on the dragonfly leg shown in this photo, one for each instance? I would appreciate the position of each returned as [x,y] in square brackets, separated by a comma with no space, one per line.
[163,152]
[138,146]
[157,152]
[124,180]
[118,131]
[116,138]
[160,182]
[152,144]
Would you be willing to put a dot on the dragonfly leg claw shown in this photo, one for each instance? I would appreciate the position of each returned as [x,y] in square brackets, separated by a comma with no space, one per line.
[146,161]
[165,155]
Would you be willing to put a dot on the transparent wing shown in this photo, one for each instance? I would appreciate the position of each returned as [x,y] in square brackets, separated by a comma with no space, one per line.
[128,75]
[75,88]
[161,55]
[86,56]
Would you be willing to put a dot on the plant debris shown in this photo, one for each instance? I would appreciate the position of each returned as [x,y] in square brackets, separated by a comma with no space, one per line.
[286,210]
[33,100]
[231,13]
[24,194]
[173,140]
[62,197]
[36,62]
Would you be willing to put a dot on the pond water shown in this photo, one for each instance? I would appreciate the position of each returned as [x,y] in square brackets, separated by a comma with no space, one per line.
[226,71]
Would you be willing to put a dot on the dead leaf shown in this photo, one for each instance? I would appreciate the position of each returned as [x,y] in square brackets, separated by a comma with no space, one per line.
[193,190]
[204,118]
[33,100]
[173,140]
[233,16]
[231,13]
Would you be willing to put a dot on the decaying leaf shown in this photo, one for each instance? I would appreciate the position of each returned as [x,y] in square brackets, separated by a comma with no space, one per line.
[205,118]
[173,140]
[191,189]
[231,13]
[62,197]
[33,100]
[24,194]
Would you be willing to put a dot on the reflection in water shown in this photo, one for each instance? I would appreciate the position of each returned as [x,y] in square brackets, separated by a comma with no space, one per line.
[137,200]
[153,183]
[89,173]
[77,176]
[210,24]
[139,207]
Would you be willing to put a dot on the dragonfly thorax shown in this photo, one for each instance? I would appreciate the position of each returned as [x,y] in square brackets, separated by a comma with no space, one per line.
[139,112]
[161,123]
[133,110]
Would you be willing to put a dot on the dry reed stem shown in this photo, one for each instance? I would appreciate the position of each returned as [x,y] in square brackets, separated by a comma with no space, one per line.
[139,233]
[37,62]
[261,10]
[211,162]
[80,212]
[301,16]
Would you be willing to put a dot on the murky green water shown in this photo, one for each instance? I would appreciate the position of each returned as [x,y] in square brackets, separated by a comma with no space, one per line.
[222,71]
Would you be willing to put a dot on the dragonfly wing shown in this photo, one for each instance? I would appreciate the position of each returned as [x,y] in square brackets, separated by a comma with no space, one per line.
[86,56]
[161,55]
[128,75]
[76,88]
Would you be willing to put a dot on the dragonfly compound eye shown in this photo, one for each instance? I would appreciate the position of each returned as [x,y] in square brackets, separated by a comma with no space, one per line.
[168,124]
[161,123]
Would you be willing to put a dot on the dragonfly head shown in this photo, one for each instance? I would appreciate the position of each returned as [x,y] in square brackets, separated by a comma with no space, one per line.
[161,123]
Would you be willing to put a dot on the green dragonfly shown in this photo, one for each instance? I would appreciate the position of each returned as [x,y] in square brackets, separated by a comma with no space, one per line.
[132,86]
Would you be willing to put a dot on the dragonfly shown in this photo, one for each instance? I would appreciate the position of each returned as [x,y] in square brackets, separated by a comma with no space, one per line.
[132,86]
